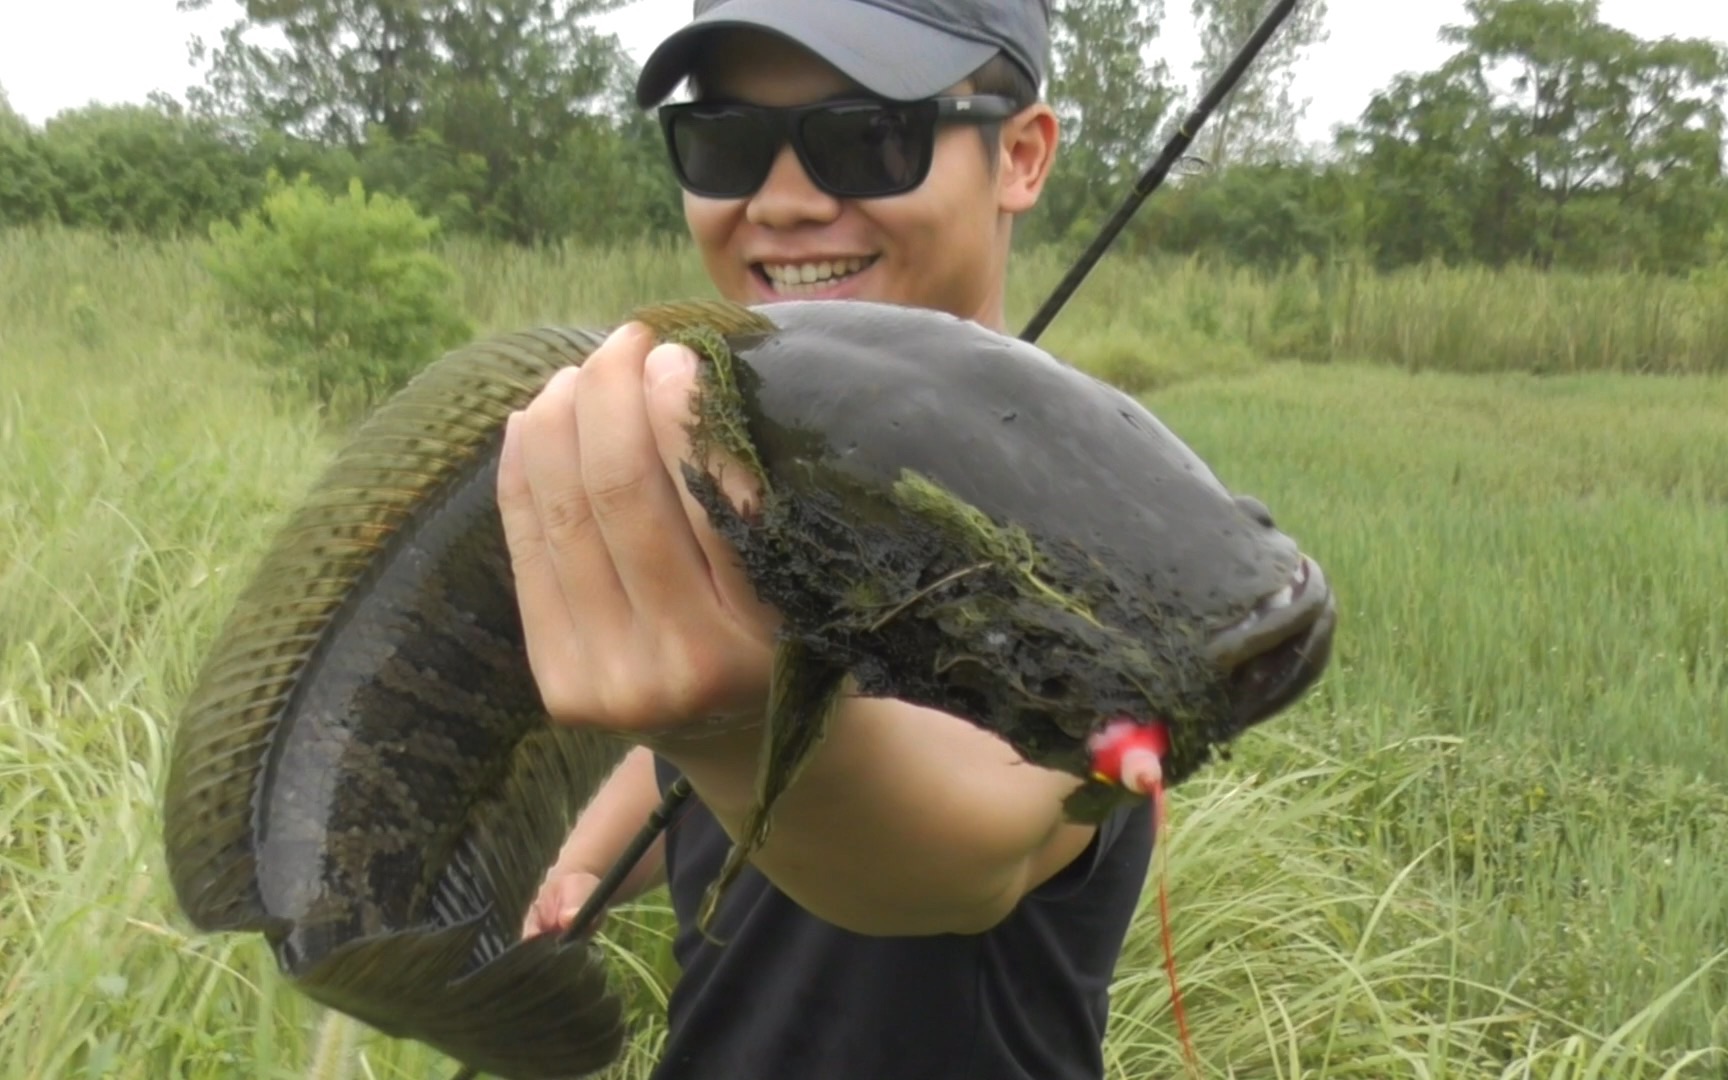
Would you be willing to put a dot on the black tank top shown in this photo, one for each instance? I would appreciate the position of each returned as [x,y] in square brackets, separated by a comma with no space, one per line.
[790,996]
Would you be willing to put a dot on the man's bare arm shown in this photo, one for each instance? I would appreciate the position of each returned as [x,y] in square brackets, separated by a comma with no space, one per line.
[906,820]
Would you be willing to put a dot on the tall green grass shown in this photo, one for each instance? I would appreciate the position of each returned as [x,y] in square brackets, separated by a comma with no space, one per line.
[1491,844]
[1147,323]
[1139,322]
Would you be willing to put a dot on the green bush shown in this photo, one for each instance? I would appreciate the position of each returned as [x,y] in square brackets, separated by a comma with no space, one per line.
[346,292]
[26,185]
[144,170]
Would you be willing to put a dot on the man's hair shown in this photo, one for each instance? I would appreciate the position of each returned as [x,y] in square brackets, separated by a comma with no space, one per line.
[1001,75]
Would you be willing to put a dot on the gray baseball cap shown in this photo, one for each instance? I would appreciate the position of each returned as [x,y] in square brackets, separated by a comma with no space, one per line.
[900,49]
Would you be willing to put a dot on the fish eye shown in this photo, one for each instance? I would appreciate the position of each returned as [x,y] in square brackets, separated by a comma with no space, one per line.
[1256,510]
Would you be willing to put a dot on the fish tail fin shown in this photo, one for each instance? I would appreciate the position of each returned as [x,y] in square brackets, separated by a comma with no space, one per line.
[540,1011]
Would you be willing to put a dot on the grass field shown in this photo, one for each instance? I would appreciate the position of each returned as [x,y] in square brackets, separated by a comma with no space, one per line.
[1493,843]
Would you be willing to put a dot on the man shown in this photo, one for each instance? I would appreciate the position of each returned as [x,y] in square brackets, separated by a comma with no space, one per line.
[921,908]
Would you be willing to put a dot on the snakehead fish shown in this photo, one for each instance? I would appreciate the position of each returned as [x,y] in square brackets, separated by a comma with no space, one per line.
[364,773]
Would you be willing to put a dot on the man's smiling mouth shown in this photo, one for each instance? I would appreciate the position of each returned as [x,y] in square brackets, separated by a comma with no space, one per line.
[809,278]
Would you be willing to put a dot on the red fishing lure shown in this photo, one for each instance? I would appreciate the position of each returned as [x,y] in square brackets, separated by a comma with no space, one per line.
[1130,754]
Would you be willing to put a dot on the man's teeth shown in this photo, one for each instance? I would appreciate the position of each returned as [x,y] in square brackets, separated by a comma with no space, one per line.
[806,277]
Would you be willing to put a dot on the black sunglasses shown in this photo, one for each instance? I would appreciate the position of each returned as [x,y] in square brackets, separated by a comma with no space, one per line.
[851,149]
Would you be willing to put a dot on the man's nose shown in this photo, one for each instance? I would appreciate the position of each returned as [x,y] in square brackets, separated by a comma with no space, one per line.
[788,197]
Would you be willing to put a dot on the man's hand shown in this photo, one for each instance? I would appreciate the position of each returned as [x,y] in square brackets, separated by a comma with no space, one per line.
[639,621]
[637,616]
[606,827]
[561,897]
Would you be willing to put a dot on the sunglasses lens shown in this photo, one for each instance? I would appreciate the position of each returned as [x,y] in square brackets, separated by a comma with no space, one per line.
[869,150]
[852,150]
[721,152]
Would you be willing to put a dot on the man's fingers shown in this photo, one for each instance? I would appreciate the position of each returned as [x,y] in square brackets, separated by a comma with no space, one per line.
[634,502]
[515,501]
[575,548]
[539,595]
[570,602]
[634,610]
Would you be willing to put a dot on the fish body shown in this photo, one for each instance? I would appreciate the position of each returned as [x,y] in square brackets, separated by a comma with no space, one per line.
[949,516]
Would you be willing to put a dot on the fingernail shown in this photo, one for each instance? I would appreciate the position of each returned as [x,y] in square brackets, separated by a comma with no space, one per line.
[629,329]
[666,362]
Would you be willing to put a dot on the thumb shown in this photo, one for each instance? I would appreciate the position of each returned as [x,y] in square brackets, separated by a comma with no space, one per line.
[670,383]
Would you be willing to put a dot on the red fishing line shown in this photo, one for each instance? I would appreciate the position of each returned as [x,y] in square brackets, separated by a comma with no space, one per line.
[1130,754]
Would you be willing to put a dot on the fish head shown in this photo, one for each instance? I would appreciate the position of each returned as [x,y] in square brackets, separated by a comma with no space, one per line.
[964,521]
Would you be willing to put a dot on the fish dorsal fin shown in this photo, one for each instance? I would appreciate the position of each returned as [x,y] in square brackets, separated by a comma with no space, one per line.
[678,319]
[426,437]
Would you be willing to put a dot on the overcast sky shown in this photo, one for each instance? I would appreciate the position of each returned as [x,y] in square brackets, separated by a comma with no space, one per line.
[55,54]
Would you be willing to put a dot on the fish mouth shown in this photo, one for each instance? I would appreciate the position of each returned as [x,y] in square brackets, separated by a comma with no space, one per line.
[1276,652]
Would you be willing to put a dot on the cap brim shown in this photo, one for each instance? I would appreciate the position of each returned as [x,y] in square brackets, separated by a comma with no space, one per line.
[890,55]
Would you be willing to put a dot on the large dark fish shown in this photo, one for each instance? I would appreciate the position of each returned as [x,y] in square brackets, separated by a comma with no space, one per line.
[365,775]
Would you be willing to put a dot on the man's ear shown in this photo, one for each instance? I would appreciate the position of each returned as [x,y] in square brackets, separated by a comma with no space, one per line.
[1029,140]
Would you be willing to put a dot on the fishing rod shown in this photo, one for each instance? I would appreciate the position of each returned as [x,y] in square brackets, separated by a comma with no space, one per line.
[1174,149]
[657,823]
[1159,169]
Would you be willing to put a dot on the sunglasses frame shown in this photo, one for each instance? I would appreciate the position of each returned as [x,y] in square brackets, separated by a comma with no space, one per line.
[786,123]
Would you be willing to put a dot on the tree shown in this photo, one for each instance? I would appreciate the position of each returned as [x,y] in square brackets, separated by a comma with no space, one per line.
[1552,137]
[1422,169]
[504,84]
[1270,216]
[347,66]
[608,184]
[11,123]
[26,181]
[1257,121]
[1577,108]
[1112,99]
[146,168]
